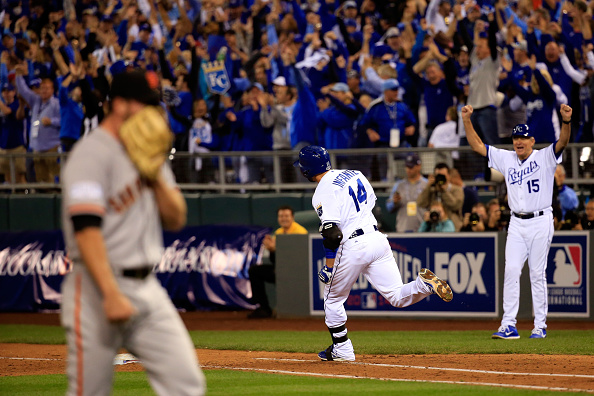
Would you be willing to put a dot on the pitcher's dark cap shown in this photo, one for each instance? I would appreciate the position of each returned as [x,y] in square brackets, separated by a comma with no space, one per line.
[138,85]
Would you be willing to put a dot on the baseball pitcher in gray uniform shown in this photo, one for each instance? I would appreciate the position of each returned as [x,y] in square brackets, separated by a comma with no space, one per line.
[112,219]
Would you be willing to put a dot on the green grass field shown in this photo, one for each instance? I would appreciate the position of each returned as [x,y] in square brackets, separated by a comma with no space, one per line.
[229,382]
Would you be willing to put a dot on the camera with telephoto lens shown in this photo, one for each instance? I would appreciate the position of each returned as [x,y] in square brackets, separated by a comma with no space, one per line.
[571,220]
[474,219]
[434,216]
[440,180]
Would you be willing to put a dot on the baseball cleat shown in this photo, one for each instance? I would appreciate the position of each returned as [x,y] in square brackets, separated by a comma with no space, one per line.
[437,286]
[330,355]
[538,333]
[506,333]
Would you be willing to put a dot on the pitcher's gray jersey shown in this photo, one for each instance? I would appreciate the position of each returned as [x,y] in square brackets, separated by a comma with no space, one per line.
[100,179]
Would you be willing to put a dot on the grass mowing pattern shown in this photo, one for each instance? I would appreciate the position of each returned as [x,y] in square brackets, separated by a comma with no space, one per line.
[570,342]
[228,382]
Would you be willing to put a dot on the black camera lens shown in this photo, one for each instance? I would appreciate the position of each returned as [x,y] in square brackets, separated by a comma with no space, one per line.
[434,216]
[474,218]
[440,179]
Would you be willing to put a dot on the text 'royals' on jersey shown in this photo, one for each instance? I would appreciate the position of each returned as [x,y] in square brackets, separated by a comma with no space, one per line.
[345,197]
[529,182]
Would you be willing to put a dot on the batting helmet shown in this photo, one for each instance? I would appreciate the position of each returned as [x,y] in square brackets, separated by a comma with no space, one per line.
[313,160]
[521,130]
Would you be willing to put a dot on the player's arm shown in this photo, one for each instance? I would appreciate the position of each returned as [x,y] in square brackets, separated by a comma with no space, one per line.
[473,138]
[116,305]
[171,203]
[332,238]
[566,112]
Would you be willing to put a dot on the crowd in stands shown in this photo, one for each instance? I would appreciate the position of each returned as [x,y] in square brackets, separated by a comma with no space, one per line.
[259,75]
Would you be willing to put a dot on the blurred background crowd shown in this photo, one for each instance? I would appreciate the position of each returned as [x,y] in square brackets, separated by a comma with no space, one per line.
[276,75]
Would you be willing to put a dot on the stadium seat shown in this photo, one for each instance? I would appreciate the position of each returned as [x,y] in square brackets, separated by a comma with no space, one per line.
[308,219]
[225,209]
[4,213]
[32,212]
[194,213]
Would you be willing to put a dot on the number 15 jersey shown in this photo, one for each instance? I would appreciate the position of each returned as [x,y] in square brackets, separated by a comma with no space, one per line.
[529,182]
[346,198]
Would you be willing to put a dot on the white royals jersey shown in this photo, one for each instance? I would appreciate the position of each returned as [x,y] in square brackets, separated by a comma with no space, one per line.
[345,197]
[529,182]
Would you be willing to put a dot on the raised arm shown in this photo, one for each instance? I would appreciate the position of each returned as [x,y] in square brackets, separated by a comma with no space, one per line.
[566,112]
[473,138]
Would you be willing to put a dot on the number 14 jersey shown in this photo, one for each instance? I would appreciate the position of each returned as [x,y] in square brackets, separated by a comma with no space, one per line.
[529,182]
[346,198]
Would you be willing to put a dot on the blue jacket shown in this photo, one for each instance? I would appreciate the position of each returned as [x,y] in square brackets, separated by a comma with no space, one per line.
[12,132]
[337,123]
[71,115]
[378,119]
[254,136]
[539,108]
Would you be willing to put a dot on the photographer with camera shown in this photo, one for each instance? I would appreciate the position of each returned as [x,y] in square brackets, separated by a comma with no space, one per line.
[476,219]
[440,189]
[497,216]
[436,220]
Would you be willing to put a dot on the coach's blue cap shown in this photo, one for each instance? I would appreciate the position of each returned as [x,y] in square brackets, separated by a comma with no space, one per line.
[521,130]
[390,83]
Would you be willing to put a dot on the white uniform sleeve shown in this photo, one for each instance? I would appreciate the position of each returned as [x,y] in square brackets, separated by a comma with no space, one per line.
[496,158]
[327,206]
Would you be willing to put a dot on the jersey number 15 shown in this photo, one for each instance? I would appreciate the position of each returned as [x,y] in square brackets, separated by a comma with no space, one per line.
[361,194]
[533,186]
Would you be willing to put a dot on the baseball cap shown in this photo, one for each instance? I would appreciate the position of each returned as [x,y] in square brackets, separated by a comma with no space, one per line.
[521,130]
[393,32]
[350,22]
[145,26]
[340,87]
[350,4]
[412,159]
[298,38]
[521,45]
[257,85]
[235,3]
[353,73]
[35,82]
[280,81]
[137,85]
[7,87]
[464,49]
[390,84]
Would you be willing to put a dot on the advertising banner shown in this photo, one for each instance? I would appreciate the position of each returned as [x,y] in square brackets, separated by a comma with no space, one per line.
[202,267]
[568,275]
[466,261]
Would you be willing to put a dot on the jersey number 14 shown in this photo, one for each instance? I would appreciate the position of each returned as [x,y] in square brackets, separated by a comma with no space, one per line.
[361,195]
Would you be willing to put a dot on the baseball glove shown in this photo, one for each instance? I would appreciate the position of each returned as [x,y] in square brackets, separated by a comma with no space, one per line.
[147,139]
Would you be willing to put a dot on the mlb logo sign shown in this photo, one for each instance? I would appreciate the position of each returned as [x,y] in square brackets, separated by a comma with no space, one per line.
[568,277]
[566,260]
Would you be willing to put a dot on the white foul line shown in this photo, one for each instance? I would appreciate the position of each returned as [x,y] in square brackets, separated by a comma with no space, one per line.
[22,358]
[535,387]
[443,368]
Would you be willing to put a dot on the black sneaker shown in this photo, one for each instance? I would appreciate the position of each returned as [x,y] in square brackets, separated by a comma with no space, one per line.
[260,313]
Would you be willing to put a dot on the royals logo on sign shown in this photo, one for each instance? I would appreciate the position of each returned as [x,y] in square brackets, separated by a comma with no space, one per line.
[567,276]
[217,78]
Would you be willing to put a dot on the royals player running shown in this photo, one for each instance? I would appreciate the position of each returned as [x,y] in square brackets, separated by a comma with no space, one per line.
[343,201]
[529,176]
